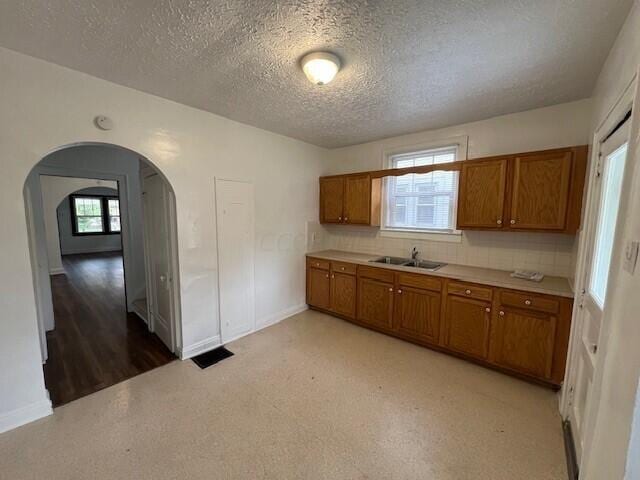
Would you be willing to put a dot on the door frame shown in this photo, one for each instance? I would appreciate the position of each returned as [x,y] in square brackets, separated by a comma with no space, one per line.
[621,106]
[252,299]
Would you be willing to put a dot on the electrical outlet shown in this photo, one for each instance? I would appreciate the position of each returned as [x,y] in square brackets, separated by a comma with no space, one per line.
[631,256]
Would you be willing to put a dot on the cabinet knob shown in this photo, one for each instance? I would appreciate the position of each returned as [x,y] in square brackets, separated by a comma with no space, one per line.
[527,302]
[501,313]
[340,218]
[467,291]
[333,276]
[399,291]
[342,268]
[327,275]
[499,221]
[317,264]
[513,222]
[346,219]
[488,310]
[391,289]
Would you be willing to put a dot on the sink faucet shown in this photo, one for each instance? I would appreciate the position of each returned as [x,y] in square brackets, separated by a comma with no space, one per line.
[414,253]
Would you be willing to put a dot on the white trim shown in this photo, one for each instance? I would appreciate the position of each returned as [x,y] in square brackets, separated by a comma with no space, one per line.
[433,236]
[460,141]
[26,414]
[57,271]
[279,316]
[197,348]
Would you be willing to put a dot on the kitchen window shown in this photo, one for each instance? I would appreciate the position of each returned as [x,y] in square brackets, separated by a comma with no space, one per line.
[421,202]
[95,215]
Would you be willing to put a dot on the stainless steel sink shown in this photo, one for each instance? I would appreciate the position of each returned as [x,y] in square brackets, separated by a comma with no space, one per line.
[392,260]
[407,262]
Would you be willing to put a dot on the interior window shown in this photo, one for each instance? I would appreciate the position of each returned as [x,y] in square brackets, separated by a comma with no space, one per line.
[422,202]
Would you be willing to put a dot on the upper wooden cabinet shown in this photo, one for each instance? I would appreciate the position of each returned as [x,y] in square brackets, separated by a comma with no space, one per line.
[540,196]
[538,191]
[350,199]
[331,199]
[482,194]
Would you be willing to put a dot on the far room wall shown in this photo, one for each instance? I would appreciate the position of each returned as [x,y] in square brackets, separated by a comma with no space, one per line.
[73,244]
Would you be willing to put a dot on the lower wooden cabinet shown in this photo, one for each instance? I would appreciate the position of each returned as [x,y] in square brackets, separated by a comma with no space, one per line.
[375,303]
[467,326]
[318,288]
[343,294]
[514,331]
[524,341]
[417,313]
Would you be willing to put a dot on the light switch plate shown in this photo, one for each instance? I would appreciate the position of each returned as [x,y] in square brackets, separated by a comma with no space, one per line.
[631,256]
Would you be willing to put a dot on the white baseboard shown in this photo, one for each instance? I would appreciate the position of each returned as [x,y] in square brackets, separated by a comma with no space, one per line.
[199,347]
[57,271]
[23,415]
[214,342]
[75,251]
[279,316]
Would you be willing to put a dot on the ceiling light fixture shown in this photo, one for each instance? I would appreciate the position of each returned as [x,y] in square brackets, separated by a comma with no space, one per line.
[320,67]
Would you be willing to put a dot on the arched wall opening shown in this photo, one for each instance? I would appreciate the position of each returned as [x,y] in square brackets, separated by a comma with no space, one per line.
[109,165]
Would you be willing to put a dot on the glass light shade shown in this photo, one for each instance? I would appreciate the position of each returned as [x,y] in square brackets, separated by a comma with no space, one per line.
[320,67]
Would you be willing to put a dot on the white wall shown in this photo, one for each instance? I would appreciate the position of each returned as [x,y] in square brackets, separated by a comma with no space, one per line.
[617,373]
[54,191]
[72,244]
[558,126]
[44,106]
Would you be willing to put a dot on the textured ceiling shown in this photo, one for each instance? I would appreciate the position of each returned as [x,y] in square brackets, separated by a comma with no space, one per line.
[408,65]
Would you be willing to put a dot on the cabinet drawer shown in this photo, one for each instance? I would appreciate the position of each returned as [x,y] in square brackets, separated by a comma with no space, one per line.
[380,274]
[342,267]
[470,290]
[419,281]
[529,302]
[318,263]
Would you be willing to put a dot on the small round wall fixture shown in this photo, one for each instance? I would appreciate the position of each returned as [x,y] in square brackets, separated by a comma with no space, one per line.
[320,67]
[103,122]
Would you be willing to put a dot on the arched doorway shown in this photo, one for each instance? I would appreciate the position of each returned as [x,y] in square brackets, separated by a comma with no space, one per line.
[131,331]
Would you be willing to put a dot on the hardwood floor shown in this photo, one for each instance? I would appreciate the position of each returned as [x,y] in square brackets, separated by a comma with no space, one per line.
[96,343]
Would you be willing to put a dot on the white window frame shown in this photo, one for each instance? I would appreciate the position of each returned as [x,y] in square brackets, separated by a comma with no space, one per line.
[452,236]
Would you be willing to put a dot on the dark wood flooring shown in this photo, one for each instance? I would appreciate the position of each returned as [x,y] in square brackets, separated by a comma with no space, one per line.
[95,343]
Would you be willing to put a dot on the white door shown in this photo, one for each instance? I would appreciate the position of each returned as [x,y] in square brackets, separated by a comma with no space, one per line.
[160,283]
[600,231]
[235,225]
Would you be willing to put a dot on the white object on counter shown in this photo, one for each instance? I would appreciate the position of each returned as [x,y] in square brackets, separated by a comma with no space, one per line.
[528,275]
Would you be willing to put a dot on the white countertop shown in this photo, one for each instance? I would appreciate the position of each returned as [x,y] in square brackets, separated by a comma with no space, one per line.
[550,285]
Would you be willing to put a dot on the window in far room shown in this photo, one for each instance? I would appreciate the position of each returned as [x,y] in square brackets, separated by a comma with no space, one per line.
[95,215]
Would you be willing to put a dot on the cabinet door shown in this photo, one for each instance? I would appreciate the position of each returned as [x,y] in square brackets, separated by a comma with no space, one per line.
[375,303]
[482,194]
[523,341]
[467,326]
[318,288]
[418,313]
[357,199]
[343,294]
[540,195]
[331,199]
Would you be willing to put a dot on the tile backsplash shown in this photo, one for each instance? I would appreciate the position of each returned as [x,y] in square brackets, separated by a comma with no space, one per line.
[551,254]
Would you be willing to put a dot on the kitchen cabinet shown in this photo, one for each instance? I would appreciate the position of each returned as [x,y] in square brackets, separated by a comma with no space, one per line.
[540,192]
[537,191]
[331,199]
[467,324]
[417,307]
[482,194]
[350,199]
[514,331]
[332,286]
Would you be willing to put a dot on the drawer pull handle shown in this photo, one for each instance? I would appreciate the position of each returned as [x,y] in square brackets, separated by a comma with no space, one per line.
[499,222]
[342,268]
[527,302]
[327,275]
[467,291]
[340,218]
[391,289]
[399,291]
[333,276]
[501,313]
[346,219]
[488,310]
[513,222]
